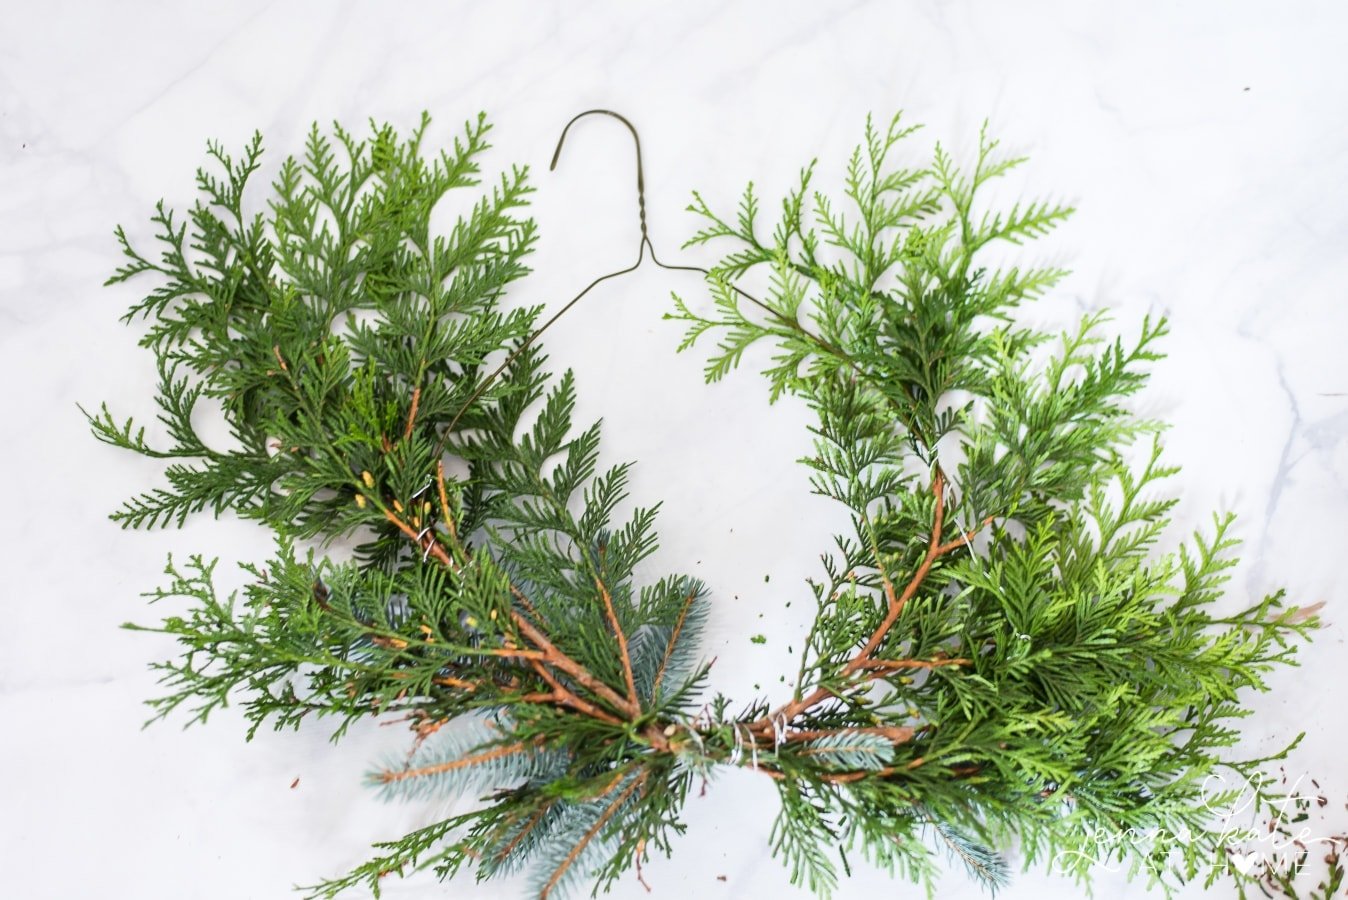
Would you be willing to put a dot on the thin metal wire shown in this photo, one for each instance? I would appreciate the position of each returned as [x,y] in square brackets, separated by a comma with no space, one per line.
[643,246]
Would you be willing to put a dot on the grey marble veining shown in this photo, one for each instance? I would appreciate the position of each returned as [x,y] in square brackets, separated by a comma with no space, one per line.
[1206,148]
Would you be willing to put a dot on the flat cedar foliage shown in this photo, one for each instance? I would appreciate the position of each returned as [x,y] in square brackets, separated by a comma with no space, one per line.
[1000,657]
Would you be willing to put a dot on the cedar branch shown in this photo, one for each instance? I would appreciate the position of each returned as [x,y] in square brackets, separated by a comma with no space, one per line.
[550,653]
[896,603]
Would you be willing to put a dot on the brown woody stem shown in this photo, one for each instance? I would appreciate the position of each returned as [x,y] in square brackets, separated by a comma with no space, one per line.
[863,660]
[892,664]
[412,413]
[634,705]
[896,605]
[473,759]
[560,661]
[562,695]
[594,830]
[673,639]
[547,653]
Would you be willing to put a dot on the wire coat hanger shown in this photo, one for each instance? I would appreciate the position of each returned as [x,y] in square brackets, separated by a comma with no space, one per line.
[642,247]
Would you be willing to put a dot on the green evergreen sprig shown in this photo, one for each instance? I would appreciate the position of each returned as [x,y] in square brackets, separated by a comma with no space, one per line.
[999,652]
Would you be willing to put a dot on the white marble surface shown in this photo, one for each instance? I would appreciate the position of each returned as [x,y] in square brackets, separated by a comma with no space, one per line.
[1207,149]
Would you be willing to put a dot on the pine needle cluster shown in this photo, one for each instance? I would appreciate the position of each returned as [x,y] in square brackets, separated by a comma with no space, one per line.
[1000,655]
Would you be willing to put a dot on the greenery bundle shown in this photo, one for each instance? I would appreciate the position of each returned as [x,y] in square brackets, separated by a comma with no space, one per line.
[999,653]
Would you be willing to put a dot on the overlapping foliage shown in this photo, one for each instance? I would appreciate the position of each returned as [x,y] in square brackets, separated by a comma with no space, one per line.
[999,654]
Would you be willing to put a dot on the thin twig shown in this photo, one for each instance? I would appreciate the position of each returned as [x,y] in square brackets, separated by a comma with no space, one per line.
[634,702]
[559,660]
[964,538]
[566,697]
[891,664]
[486,756]
[412,414]
[594,830]
[673,639]
[547,652]
[529,826]
[427,543]
[640,852]
[896,603]
[895,734]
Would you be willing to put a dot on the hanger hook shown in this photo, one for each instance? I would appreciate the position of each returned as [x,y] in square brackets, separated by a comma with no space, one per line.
[642,248]
[636,141]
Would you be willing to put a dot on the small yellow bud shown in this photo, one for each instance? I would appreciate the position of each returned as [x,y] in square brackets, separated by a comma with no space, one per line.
[367,478]
[360,500]
[397,506]
[493,615]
